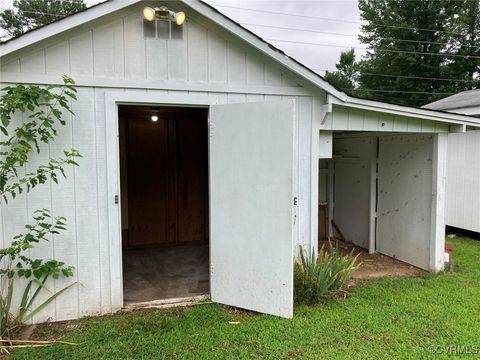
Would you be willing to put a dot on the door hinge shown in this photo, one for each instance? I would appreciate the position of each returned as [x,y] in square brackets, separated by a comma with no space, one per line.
[116,199]
[295,201]
[210,130]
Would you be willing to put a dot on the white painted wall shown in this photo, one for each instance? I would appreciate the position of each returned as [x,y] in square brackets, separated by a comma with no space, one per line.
[405,189]
[110,57]
[463,181]
[353,185]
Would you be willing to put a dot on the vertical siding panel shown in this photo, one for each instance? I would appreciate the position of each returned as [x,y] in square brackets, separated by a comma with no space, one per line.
[197,52]
[400,124]
[65,244]
[177,64]
[135,55]
[33,63]
[273,75]
[217,58]
[81,54]
[12,66]
[156,59]
[414,125]
[40,198]
[57,59]
[255,69]
[304,165]
[108,51]
[340,118]
[370,122]
[386,122]
[237,71]
[86,202]
[428,126]
[177,53]
[355,120]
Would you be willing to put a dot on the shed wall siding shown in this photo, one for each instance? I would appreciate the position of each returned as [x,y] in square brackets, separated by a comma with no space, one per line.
[463,181]
[116,52]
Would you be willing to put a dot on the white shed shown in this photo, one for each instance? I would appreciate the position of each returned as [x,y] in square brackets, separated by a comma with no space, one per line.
[463,167]
[246,144]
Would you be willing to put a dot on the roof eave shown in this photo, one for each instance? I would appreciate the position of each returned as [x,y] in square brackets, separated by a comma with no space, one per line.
[426,114]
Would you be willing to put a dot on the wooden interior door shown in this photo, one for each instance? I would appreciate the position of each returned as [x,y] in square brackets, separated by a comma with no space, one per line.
[148,179]
[192,178]
[167,177]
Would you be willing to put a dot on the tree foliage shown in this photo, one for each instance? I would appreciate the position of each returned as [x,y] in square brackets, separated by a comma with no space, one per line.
[345,78]
[413,44]
[30,14]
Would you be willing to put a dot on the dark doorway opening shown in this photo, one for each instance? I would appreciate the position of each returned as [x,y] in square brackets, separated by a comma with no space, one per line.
[164,198]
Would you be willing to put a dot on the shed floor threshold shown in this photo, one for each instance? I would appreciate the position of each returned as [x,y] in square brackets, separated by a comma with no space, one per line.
[167,303]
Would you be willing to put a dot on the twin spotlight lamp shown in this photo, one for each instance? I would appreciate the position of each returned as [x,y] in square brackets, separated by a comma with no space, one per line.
[164,13]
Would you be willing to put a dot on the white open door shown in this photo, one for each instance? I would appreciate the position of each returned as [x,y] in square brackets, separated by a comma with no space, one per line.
[251,206]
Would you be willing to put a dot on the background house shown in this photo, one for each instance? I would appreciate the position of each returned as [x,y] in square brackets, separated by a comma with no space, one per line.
[463,165]
[205,135]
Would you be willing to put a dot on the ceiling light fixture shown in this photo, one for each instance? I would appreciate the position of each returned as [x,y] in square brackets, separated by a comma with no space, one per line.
[164,13]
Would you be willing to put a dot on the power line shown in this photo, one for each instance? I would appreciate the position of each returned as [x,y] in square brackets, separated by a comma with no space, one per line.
[377,49]
[406,76]
[349,35]
[402,91]
[335,20]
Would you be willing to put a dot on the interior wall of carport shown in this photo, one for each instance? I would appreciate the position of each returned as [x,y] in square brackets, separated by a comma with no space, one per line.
[344,119]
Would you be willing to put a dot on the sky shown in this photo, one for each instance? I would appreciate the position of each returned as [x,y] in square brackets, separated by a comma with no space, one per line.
[320,58]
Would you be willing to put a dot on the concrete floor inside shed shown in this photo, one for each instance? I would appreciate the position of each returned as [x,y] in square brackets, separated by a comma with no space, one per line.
[375,265]
[165,273]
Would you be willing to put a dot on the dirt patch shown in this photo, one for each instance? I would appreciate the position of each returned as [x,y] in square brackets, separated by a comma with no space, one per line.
[373,266]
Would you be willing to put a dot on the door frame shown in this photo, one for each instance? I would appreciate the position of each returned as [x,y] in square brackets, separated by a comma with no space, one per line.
[113,99]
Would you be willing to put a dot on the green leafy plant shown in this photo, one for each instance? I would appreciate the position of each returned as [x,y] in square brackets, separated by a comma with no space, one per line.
[42,109]
[315,276]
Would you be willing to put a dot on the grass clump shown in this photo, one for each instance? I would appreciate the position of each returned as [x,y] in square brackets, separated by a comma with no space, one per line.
[317,275]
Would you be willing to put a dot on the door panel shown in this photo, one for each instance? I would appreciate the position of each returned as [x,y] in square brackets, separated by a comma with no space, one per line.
[404,198]
[251,197]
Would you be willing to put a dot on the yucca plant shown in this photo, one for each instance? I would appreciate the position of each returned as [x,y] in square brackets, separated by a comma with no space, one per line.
[316,275]
[16,264]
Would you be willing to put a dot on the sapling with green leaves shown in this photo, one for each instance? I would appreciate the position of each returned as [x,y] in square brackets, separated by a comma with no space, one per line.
[43,110]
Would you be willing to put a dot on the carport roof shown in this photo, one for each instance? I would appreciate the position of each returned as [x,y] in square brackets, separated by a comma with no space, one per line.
[337,96]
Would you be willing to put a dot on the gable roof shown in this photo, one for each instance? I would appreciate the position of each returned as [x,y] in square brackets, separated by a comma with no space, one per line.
[464,99]
[337,97]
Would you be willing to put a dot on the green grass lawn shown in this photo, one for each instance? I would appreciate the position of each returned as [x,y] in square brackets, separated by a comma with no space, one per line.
[388,318]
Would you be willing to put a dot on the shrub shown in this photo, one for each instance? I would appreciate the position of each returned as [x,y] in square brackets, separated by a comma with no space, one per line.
[315,276]
[42,111]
